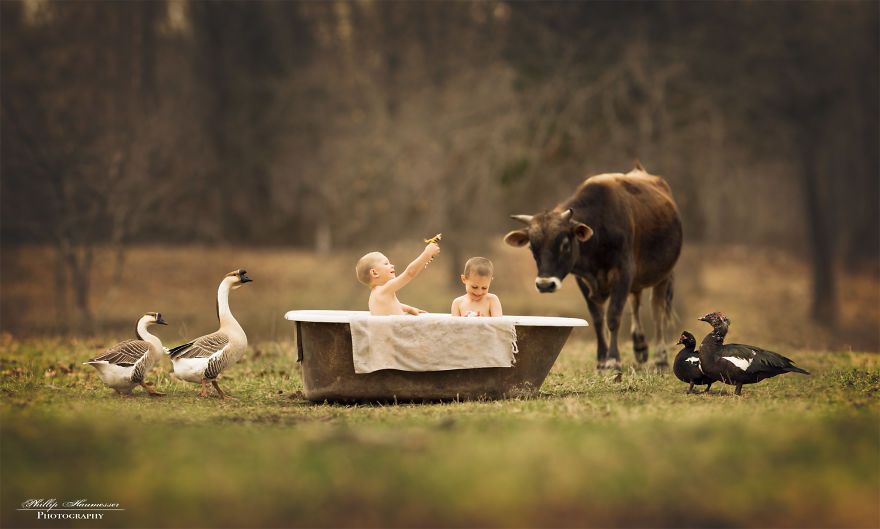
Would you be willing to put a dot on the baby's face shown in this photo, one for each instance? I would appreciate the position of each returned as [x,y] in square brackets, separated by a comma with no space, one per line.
[384,270]
[477,286]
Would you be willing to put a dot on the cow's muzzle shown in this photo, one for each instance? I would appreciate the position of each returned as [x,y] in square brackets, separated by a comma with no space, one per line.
[547,284]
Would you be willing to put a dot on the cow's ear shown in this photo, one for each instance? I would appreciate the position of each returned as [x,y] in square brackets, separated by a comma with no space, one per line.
[582,231]
[517,239]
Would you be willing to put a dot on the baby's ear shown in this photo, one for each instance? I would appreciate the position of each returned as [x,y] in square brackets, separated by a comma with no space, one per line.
[463,279]
[373,272]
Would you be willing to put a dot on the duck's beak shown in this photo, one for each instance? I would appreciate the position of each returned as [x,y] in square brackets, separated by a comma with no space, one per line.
[160,321]
[244,278]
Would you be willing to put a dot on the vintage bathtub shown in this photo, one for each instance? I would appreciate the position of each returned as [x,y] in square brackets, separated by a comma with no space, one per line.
[323,340]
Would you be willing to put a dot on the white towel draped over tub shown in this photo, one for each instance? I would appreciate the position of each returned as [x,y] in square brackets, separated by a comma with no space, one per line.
[431,342]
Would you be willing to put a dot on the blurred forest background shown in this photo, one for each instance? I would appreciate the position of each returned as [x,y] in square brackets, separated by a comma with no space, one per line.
[352,125]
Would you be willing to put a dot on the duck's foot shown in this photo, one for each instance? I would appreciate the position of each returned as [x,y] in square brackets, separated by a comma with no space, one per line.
[738,392]
[690,389]
[204,392]
[121,394]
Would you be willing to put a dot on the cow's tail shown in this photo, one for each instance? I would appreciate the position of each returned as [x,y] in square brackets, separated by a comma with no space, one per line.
[671,316]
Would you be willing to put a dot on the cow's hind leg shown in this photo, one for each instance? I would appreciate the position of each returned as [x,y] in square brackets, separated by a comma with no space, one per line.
[597,312]
[640,344]
[661,305]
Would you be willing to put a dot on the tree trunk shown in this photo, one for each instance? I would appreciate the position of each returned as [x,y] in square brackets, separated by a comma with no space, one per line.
[61,302]
[824,288]
[78,262]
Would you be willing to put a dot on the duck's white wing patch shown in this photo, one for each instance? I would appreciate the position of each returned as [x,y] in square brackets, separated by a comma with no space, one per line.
[693,359]
[741,363]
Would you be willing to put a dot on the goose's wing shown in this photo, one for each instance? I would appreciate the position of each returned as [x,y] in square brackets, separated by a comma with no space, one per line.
[201,347]
[124,353]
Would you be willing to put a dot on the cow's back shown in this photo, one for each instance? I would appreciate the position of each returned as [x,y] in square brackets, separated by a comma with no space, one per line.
[637,212]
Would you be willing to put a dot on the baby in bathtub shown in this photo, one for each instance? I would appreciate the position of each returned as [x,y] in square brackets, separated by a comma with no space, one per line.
[377,272]
[478,274]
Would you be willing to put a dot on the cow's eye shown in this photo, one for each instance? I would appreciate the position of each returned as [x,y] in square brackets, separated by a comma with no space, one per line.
[564,246]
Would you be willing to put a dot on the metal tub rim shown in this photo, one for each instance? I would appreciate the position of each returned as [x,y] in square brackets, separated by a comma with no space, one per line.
[323,340]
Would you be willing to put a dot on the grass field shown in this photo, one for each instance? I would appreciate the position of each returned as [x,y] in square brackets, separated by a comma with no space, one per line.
[794,451]
[589,451]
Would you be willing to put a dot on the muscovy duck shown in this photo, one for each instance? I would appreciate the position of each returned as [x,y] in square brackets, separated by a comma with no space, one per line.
[738,364]
[687,364]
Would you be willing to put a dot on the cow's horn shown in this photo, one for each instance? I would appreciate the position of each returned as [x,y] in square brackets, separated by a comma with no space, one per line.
[566,215]
[527,219]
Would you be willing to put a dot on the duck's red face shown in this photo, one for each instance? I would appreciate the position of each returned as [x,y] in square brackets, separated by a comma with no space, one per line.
[714,318]
[681,340]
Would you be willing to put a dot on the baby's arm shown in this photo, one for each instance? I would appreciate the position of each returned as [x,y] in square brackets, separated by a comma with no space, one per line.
[456,307]
[494,305]
[411,310]
[412,270]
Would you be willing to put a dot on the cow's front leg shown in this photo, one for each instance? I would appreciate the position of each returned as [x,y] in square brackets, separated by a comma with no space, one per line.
[613,316]
[597,312]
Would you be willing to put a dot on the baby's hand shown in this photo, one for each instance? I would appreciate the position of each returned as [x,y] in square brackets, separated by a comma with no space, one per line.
[432,249]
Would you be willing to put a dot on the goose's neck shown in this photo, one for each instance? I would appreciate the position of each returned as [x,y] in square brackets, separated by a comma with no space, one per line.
[227,320]
[154,341]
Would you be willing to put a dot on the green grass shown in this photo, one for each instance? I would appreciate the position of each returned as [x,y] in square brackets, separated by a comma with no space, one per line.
[794,451]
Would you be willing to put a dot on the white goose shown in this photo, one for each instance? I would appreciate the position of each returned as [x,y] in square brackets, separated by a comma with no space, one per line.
[124,366]
[204,358]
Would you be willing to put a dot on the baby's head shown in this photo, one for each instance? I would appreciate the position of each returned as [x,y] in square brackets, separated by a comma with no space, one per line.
[374,269]
[478,274]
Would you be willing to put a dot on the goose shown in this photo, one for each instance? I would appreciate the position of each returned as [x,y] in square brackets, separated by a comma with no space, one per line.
[738,364]
[124,365]
[687,364]
[204,358]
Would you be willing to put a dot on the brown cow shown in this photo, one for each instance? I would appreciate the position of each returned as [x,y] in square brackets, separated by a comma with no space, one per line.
[618,234]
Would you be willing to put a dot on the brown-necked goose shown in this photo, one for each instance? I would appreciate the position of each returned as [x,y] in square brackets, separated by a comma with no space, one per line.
[204,358]
[124,366]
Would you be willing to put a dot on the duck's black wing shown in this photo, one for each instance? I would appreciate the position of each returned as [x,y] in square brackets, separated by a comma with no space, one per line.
[759,362]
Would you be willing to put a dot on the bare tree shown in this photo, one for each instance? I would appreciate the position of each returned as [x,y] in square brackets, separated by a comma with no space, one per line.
[85,137]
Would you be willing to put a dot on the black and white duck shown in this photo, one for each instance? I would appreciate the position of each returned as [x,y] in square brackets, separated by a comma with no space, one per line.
[687,364]
[204,358]
[738,364]
[125,365]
